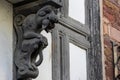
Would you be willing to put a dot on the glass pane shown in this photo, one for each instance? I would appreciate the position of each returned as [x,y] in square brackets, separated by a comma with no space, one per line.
[78,69]
[77,10]
[45,69]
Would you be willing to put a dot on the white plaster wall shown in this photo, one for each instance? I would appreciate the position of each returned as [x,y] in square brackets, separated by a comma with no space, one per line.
[6,40]
[45,69]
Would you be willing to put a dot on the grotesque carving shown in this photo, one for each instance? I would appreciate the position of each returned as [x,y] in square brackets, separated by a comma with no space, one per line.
[31,42]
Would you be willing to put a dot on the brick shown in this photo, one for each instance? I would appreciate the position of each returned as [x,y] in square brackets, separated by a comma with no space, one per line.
[118,1]
[106,26]
[110,16]
[107,42]
[111,5]
[108,58]
[111,28]
[111,10]
[115,34]
[105,29]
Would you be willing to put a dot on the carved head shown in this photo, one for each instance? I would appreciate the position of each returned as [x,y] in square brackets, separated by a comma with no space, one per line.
[46,18]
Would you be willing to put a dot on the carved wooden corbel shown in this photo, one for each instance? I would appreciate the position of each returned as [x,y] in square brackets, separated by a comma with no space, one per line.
[29,41]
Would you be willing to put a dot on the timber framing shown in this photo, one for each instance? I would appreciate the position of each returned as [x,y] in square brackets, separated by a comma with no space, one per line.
[86,36]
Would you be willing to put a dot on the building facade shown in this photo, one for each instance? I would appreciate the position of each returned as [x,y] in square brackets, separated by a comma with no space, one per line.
[84,44]
[111,37]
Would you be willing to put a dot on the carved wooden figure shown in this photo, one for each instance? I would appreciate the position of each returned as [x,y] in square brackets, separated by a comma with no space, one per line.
[30,42]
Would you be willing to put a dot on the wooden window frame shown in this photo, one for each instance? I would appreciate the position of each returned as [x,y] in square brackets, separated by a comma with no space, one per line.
[90,30]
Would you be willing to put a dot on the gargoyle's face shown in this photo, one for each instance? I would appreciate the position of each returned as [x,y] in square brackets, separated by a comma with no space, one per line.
[46,18]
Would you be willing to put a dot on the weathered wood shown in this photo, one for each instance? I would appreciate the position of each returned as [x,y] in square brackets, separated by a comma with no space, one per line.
[29,40]
[95,54]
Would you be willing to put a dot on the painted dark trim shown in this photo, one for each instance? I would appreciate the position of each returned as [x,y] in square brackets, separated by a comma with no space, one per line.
[23,3]
[95,54]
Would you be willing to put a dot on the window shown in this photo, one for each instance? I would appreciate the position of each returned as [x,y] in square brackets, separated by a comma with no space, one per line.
[77,63]
[77,10]
[78,28]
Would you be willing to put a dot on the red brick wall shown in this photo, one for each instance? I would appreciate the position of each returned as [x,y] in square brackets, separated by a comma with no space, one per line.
[111,26]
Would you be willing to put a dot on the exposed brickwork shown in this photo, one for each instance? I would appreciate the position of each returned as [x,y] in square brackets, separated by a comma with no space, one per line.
[115,34]
[111,28]
[112,12]
[108,58]
[111,31]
